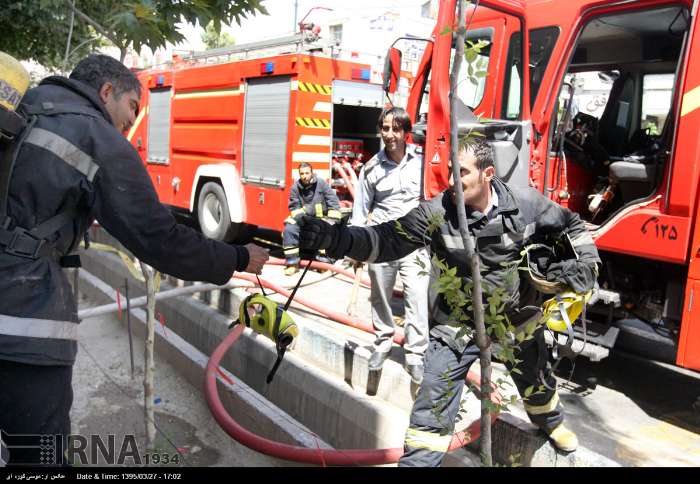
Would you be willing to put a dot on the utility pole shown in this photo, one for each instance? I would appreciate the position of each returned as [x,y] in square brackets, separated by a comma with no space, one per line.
[296,9]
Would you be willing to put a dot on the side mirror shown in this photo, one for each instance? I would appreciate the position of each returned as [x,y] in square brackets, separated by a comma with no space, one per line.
[392,70]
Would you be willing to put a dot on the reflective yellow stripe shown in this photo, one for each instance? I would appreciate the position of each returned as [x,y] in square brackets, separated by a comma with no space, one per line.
[420,439]
[204,93]
[291,251]
[290,220]
[546,408]
[691,101]
[319,210]
[332,213]
[136,124]
[296,212]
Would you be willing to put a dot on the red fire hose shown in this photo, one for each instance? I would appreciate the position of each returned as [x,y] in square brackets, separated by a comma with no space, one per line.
[365,282]
[306,455]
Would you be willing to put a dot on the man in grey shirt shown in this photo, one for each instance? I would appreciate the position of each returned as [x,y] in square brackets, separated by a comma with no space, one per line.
[388,188]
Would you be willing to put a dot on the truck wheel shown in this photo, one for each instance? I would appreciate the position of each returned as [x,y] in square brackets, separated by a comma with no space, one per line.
[213,214]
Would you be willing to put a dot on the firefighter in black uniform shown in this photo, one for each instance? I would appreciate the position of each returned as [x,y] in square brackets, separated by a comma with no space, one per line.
[75,166]
[310,195]
[502,221]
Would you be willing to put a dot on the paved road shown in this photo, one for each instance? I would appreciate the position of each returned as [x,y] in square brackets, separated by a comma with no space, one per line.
[640,414]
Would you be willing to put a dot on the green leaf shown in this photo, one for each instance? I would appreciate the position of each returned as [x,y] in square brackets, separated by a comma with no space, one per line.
[528,391]
[470,55]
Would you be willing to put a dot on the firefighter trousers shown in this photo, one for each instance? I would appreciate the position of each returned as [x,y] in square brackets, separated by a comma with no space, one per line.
[290,240]
[437,403]
[415,280]
[35,404]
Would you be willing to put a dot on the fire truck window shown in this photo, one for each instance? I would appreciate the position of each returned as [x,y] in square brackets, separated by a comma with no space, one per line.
[511,107]
[542,43]
[472,73]
[159,126]
[657,93]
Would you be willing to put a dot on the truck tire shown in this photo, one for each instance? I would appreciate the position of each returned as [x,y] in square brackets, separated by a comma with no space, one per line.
[213,214]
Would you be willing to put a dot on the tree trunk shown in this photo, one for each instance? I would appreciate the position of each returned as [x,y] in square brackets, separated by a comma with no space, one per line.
[149,363]
[482,340]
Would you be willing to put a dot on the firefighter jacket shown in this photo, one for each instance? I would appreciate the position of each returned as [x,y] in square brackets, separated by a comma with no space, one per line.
[316,199]
[82,163]
[522,217]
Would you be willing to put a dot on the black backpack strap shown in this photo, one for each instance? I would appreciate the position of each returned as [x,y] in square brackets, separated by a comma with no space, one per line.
[8,156]
[36,243]
[11,123]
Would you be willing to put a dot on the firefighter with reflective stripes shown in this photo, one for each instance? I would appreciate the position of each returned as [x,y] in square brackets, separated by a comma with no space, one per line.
[502,221]
[75,166]
[312,196]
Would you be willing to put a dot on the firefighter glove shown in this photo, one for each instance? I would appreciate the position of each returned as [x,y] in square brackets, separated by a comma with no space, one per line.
[316,234]
[578,275]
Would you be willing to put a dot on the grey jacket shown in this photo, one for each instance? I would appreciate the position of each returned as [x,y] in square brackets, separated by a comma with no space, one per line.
[386,189]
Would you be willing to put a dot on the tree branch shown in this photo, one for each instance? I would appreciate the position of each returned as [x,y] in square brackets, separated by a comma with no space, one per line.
[101,30]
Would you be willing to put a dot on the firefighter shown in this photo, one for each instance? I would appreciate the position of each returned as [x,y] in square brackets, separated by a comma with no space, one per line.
[389,187]
[74,167]
[310,195]
[502,221]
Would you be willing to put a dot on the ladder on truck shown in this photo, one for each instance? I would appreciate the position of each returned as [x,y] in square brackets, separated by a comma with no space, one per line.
[302,42]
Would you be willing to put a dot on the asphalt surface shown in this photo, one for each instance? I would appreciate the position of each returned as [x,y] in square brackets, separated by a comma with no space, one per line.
[639,414]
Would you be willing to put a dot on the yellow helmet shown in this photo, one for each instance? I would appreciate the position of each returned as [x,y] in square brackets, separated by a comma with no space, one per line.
[265,316]
[563,309]
[14,81]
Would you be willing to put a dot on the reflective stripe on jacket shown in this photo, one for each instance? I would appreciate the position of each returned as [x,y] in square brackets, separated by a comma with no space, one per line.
[317,199]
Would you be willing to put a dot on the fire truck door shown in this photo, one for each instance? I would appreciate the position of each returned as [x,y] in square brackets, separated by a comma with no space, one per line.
[479,83]
[158,142]
[685,179]
[265,149]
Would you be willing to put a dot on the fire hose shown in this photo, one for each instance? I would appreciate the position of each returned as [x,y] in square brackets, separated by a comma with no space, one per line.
[365,282]
[302,454]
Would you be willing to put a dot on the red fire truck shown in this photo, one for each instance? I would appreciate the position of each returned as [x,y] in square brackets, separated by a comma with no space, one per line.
[601,114]
[222,138]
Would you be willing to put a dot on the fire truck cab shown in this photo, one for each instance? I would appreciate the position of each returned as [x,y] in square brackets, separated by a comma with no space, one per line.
[601,114]
[223,132]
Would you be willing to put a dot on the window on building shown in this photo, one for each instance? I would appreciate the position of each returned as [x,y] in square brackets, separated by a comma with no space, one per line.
[336,32]
[425,10]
